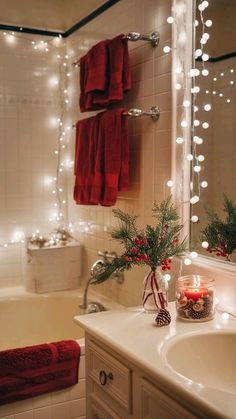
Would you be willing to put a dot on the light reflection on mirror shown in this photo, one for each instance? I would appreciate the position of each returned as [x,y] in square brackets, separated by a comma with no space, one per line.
[214,171]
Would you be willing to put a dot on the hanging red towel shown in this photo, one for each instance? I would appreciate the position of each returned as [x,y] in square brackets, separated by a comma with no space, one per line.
[34,370]
[104,139]
[104,74]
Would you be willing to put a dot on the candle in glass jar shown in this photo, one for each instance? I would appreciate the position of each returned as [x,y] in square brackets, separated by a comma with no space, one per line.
[195,293]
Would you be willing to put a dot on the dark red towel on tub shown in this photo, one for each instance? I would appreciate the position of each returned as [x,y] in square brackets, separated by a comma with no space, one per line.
[34,370]
[101,158]
[104,74]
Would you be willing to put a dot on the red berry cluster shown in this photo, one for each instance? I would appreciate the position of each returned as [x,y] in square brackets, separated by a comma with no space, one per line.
[138,252]
[166,264]
[221,251]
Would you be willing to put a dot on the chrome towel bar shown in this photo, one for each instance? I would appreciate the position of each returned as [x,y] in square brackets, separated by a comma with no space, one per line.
[154,113]
[153,38]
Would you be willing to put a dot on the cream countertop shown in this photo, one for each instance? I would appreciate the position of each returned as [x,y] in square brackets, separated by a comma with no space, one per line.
[133,334]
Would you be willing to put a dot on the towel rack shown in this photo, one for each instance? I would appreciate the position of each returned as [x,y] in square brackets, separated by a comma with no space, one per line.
[154,113]
[153,38]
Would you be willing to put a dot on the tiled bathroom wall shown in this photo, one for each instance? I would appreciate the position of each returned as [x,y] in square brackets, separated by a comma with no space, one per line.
[28,138]
[150,142]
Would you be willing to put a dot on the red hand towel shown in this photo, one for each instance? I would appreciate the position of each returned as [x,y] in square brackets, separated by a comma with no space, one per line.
[106,170]
[104,74]
[34,370]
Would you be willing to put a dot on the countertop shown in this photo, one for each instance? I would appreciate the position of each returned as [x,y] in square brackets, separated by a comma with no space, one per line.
[133,334]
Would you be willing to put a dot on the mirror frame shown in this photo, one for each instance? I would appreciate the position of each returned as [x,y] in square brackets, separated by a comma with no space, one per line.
[180,167]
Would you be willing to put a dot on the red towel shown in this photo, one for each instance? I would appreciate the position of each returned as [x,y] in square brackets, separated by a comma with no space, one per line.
[101,158]
[34,370]
[104,74]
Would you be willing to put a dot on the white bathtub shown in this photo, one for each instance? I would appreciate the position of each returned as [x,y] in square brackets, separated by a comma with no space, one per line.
[30,319]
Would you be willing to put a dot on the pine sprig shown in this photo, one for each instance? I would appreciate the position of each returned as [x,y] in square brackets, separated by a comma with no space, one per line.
[221,235]
[153,246]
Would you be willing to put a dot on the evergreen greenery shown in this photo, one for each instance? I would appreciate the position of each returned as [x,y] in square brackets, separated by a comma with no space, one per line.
[221,235]
[153,246]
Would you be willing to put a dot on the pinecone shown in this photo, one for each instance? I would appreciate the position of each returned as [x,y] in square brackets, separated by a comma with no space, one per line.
[163,318]
[197,312]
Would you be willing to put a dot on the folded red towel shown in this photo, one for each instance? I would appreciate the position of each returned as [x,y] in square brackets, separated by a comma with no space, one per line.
[104,74]
[34,370]
[101,158]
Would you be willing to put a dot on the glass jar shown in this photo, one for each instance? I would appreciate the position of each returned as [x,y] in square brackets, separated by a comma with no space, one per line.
[154,292]
[195,298]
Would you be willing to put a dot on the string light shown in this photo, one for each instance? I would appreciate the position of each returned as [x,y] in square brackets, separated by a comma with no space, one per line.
[61,83]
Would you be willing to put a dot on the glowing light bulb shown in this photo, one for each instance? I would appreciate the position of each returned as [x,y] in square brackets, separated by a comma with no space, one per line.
[178,86]
[194,218]
[207,92]
[196,123]
[231,82]
[186,103]
[189,157]
[225,316]
[178,70]
[204,184]
[187,261]
[214,92]
[205,125]
[222,74]
[197,140]
[195,89]
[231,70]
[170,20]
[205,72]
[184,123]
[58,56]
[205,244]
[194,72]
[205,57]
[56,152]
[179,140]
[195,108]
[207,107]
[208,23]
[200,157]
[5,245]
[196,22]
[170,183]
[194,255]
[194,199]
[198,52]
[228,101]
[197,168]
[166,49]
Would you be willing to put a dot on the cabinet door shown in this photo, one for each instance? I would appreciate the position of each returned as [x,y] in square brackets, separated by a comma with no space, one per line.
[157,405]
[100,410]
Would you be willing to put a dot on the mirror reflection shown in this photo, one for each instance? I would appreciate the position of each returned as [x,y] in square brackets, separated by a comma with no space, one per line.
[214,172]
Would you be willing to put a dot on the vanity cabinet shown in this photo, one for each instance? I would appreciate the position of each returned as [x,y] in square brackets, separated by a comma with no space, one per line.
[117,389]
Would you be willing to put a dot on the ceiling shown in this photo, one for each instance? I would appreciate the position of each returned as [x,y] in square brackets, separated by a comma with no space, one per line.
[56,15]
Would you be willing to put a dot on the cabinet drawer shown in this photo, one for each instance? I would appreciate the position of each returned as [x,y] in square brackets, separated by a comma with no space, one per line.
[100,410]
[110,375]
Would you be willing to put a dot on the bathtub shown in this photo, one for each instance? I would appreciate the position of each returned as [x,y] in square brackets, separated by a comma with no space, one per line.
[30,319]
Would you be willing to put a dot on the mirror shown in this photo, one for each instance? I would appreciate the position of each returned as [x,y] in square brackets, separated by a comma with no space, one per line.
[214,158]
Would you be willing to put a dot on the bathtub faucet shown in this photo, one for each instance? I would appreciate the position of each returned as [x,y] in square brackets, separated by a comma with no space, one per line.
[97,269]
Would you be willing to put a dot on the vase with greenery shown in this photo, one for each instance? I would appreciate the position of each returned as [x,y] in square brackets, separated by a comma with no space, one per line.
[153,246]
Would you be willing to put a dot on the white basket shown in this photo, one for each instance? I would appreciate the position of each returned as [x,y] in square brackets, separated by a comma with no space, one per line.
[52,268]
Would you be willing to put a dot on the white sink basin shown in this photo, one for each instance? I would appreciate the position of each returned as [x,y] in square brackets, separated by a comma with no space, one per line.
[207,358]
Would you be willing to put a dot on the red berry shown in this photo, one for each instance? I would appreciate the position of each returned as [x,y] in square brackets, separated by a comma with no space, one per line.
[144,241]
[134,250]
[127,259]
[138,242]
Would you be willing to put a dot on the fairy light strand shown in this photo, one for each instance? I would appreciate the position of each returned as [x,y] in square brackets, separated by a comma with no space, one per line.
[53,45]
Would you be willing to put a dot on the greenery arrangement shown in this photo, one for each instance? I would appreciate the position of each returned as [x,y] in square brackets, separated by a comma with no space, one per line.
[221,235]
[153,246]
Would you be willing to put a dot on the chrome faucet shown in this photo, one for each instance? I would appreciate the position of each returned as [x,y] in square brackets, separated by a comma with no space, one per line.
[97,268]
